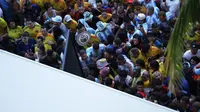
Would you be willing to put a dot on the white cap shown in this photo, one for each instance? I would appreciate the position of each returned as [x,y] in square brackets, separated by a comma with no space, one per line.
[57,19]
[141,16]
[67,18]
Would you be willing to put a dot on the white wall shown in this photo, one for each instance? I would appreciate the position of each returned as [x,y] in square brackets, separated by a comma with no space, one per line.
[26,86]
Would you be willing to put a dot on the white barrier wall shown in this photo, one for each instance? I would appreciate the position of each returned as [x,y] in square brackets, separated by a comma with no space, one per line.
[27,86]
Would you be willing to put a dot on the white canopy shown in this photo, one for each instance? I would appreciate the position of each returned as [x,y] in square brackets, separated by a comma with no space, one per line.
[27,86]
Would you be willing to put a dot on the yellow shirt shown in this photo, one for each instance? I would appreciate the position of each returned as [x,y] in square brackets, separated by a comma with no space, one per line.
[105,19]
[15,33]
[59,6]
[49,37]
[71,25]
[85,5]
[46,47]
[40,3]
[153,51]
[93,39]
[196,37]
[3,26]
[139,57]
[33,32]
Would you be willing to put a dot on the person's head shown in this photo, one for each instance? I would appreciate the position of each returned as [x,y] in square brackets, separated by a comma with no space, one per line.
[57,32]
[99,4]
[194,60]
[136,72]
[135,52]
[40,40]
[115,18]
[140,86]
[150,11]
[95,46]
[88,16]
[25,37]
[109,82]
[48,8]
[184,102]
[194,48]
[154,65]
[110,39]
[57,20]
[83,54]
[12,24]
[140,63]
[117,42]
[145,48]
[145,76]
[109,54]
[131,14]
[136,39]
[162,16]
[49,53]
[121,60]
[81,27]
[141,18]
[122,74]
[67,18]
[130,29]
[30,23]
[150,36]
[104,13]
[44,31]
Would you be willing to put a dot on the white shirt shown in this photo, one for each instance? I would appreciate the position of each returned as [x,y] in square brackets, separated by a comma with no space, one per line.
[174,6]
[130,36]
[188,54]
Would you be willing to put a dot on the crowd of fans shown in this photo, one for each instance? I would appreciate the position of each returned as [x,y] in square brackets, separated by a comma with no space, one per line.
[126,48]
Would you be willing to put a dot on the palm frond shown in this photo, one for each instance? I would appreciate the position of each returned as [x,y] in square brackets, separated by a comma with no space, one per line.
[189,14]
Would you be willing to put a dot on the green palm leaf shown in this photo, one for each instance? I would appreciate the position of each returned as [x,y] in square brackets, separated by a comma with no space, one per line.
[189,14]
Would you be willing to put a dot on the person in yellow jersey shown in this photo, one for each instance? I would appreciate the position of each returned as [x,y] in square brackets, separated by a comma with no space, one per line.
[14,31]
[155,73]
[3,26]
[150,51]
[135,54]
[40,41]
[105,17]
[58,5]
[32,28]
[81,3]
[48,38]
[70,23]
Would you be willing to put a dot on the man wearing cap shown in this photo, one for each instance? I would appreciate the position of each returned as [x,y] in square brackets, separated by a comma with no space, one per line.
[141,23]
[131,31]
[103,31]
[193,52]
[90,19]
[70,23]
[57,21]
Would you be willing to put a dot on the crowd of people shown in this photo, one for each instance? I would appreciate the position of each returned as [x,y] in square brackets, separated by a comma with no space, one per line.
[126,46]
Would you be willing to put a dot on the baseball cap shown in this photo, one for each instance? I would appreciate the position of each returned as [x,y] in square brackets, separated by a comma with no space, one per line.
[57,19]
[67,18]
